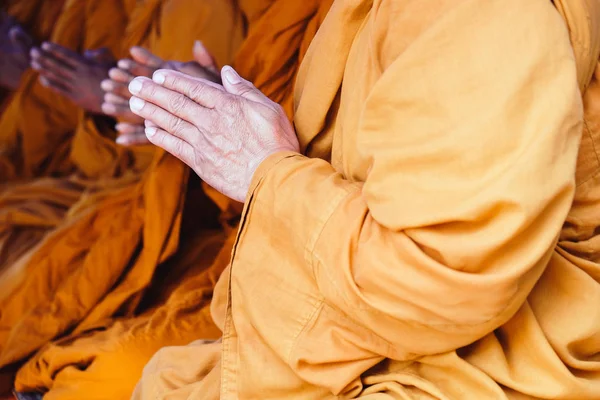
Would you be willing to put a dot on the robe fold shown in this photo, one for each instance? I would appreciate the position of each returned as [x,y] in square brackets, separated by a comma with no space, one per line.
[438,238]
[132,310]
[81,248]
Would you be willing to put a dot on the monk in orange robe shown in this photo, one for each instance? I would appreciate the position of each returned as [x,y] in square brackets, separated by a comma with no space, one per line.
[55,231]
[427,228]
[162,295]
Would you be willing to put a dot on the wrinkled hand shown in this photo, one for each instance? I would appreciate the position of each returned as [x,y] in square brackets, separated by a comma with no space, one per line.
[15,44]
[144,63]
[222,132]
[72,75]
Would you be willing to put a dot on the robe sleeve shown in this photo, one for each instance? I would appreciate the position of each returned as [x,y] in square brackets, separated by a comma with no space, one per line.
[471,136]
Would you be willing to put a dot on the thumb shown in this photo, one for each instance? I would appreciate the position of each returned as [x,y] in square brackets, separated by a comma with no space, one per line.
[146,57]
[20,38]
[203,56]
[235,84]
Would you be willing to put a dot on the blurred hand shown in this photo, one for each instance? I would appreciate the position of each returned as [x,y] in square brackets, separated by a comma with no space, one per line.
[15,45]
[72,75]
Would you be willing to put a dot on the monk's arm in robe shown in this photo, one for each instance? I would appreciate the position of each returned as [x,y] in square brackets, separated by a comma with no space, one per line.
[470,139]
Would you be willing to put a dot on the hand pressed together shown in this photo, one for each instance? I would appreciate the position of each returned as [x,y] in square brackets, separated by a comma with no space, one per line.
[222,132]
[145,63]
[73,75]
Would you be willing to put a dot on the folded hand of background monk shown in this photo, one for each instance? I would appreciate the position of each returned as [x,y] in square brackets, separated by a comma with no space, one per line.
[72,75]
[15,44]
[222,132]
[144,63]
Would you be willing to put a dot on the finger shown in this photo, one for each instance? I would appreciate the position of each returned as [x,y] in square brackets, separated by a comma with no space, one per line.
[133,139]
[203,92]
[40,60]
[63,54]
[145,57]
[131,134]
[20,38]
[172,144]
[175,103]
[116,88]
[149,124]
[195,70]
[128,128]
[163,119]
[203,56]
[136,69]
[51,75]
[120,111]
[119,75]
[115,110]
[235,84]
[116,100]
[55,86]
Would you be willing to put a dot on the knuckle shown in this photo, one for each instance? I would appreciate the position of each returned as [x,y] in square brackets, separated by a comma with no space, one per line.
[196,91]
[175,126]
[176,103]
[178,147]
[229,104]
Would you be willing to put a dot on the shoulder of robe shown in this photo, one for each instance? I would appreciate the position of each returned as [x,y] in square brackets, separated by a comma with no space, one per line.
[582,18]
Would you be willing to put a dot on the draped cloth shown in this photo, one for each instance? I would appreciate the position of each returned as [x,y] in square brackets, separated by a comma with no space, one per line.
[438,238]
[86,228]
[157,313]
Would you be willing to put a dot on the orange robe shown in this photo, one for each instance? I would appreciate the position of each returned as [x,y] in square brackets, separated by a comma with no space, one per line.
[83,248]
[418,249]
[147,311]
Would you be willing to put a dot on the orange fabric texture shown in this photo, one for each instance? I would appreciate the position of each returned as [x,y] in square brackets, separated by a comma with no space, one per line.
[178,313]
[81,247]
[418,249]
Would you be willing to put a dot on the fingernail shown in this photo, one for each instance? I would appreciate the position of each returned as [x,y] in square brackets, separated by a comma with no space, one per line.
[119,126]
[158,77]
[150,131]
[46,46]
[231,76]
[44,82]
[135,86]
[198,45]
[34,52]
[123,64]
[108,108]
[121,140]
[106,85]
[136,104]
[36,66]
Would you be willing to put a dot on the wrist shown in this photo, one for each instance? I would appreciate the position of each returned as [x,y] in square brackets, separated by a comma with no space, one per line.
[264,164]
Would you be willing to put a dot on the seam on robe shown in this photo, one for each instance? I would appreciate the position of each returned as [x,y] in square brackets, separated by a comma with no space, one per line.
[334,203]
[318,308]
[227,327]
[588,130]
